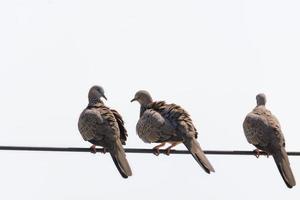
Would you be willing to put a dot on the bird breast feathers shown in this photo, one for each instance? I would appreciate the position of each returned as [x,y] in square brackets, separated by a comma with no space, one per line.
[88,121]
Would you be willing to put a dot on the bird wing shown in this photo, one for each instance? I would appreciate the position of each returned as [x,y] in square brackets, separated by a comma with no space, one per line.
[110,126]
[115,131]
[152,127]
[123,131]
[185,130]
[176,116]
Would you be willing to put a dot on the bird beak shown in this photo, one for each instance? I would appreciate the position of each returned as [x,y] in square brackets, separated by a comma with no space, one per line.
[134,99]
[104,97]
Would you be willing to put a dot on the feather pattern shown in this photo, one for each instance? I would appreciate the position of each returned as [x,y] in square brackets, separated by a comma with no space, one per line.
[103,126]
[161,122]
[262,129]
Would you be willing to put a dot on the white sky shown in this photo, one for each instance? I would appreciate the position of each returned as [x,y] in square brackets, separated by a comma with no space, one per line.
[211,57]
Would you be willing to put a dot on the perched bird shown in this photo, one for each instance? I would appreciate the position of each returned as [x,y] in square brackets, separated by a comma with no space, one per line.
[161,123]
[263,130]
[103,126]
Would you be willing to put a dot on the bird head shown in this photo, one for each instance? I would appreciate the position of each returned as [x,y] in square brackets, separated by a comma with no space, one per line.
[261,99]
[143,97]
[95,94]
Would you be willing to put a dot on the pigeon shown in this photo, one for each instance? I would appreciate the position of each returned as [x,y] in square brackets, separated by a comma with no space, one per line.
[262,129]
[103,126]
[168,123]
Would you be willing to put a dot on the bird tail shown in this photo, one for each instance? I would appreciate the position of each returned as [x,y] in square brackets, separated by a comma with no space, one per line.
[283,165]
[119,157]
[194,148]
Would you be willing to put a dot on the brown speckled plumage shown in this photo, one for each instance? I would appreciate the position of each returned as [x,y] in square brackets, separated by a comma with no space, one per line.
[103,126]
[262,129]
[175,114]
[123,131]
[161,122]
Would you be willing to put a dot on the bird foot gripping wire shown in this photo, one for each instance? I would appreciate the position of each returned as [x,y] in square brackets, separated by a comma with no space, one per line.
[156,148]
[157,151]
[168,150]
[258,152]
[94,150]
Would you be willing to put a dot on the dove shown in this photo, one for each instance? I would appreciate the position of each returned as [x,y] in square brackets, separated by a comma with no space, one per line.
[262,129]
[163,123]
[100,125]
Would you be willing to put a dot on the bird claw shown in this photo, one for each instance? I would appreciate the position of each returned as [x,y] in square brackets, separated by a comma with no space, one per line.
[258,153]
[156,151]
[156,148]
[93,149]
[168,151]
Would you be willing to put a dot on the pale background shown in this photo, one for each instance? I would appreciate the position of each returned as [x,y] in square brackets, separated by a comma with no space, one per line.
[211,57]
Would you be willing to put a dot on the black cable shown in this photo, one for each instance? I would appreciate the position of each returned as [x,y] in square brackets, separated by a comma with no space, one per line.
[132,150]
